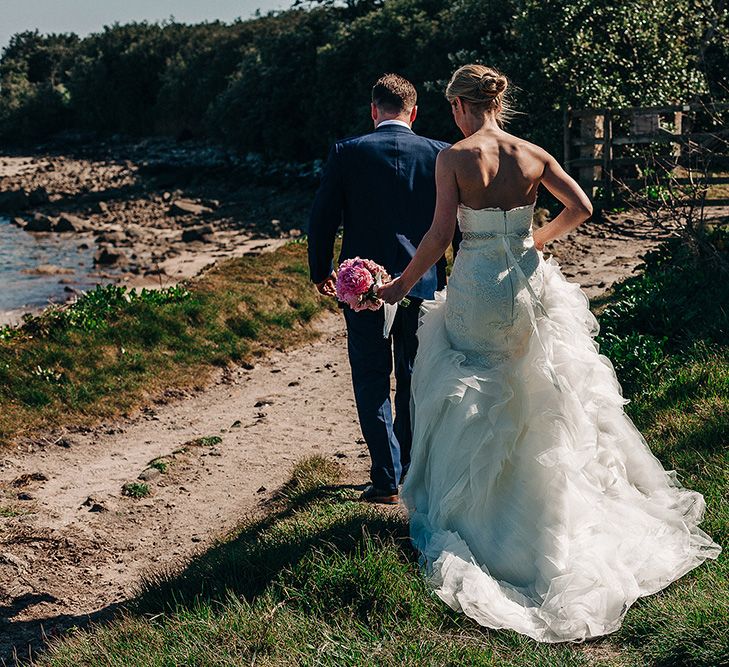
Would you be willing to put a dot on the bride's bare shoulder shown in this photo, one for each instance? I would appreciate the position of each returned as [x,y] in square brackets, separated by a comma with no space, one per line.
[466,150]
[524,147]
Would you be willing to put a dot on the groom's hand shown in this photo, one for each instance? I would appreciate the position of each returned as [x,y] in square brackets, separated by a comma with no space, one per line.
[327,287]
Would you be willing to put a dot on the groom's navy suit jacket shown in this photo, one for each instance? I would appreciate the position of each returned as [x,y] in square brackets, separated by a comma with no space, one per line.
[380,188]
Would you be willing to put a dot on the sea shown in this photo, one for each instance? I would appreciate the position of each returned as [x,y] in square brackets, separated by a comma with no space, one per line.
[23,287]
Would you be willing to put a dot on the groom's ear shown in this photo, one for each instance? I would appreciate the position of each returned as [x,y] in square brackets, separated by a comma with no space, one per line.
[373,112]
[413,114]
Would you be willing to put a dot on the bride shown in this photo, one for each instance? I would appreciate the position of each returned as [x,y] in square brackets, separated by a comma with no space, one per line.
[533,499]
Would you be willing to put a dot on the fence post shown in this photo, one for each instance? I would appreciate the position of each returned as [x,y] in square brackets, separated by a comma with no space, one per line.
[566,137]
[607,156]
[591,129]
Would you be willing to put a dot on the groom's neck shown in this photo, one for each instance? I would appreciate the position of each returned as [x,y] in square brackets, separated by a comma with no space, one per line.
[404,117]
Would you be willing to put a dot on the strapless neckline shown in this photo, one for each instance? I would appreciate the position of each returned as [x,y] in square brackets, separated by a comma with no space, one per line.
[497,208]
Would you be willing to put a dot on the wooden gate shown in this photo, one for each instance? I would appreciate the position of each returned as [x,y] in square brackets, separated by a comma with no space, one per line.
[612,152]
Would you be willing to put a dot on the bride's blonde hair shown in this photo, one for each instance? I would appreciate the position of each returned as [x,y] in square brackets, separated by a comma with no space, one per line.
[483,88]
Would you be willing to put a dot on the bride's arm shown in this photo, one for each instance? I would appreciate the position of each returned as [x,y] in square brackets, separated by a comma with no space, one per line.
[438,237]
[577,205]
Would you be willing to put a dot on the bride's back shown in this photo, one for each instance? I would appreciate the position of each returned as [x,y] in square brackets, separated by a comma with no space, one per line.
[493,168]
[496,169]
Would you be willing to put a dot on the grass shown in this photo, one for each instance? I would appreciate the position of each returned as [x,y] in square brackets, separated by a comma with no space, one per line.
[136,489]
[114,351]
[160,464]
[205,441]
[9,512]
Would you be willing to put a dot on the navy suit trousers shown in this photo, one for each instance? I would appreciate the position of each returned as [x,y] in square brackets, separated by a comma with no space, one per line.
[371,359]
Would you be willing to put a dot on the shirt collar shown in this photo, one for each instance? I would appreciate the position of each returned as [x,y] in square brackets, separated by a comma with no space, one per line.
[393,122]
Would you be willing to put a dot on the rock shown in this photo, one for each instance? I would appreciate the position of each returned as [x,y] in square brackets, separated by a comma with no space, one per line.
[13,200]
[187,207]
[148,474]
[40,223]
[114,238]
[19,222]
[69,223]
[48,270]
[28,477]
[10,559]
[94,505]
[100,207]
[199,233]
[210,203]
[109,256]
[38,197]
[24,495]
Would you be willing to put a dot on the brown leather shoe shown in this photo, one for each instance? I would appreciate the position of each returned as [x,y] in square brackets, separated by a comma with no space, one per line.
[373,495]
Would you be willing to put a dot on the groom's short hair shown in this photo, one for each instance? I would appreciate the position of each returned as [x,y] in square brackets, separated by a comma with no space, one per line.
[393,93]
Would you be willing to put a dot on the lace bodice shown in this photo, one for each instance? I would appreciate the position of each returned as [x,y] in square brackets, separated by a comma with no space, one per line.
[493,291]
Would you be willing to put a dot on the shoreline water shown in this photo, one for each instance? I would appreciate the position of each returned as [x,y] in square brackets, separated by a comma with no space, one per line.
[42,269]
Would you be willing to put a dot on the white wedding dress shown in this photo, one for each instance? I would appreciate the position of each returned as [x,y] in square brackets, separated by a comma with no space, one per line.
[533,499]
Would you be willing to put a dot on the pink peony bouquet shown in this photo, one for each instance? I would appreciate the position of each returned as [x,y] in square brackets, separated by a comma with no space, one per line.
[357,282]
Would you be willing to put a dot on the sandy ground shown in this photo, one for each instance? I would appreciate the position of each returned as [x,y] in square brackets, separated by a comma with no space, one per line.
[73,546]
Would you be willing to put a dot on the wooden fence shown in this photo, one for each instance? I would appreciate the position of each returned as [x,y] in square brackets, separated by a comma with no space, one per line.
[613,151]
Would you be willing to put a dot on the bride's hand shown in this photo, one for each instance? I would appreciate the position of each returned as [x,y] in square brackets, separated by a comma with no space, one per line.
[538,241]
[392,292]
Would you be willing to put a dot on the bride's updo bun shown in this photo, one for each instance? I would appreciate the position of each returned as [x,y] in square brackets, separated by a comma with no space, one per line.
[483,88]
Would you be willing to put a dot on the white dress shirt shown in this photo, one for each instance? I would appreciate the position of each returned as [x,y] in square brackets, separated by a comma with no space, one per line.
[393,122]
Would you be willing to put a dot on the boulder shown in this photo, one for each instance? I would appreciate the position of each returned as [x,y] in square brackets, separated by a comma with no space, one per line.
[187,207]
[13,200]
[149,474]
[100,207]
[38,197]
[110,256]
[19,222]
[202,233]
[112,238]
[40,223]
[69,223]
[48,270]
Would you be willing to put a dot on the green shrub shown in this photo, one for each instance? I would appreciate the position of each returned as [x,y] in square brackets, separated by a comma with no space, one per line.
[239,84]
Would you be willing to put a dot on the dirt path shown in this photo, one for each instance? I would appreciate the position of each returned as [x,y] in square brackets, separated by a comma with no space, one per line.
[73,546]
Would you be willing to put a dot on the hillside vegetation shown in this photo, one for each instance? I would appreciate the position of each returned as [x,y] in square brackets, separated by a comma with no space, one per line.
[309,69]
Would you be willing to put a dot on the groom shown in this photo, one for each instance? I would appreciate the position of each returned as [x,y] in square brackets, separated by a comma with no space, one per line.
[380,188]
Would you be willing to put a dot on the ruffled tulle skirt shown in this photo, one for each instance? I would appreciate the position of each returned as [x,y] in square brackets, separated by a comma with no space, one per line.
[536,505]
